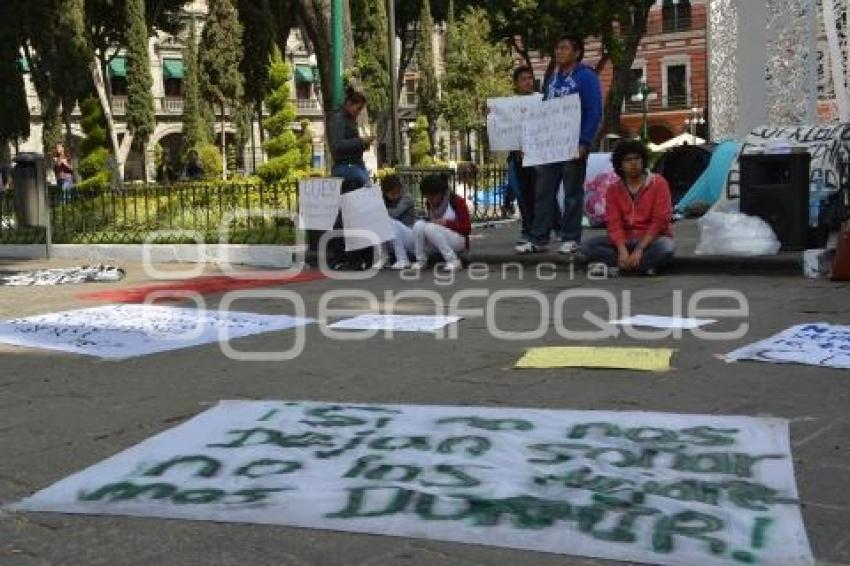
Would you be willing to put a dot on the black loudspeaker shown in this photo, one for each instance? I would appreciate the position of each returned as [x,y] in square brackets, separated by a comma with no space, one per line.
[775,187]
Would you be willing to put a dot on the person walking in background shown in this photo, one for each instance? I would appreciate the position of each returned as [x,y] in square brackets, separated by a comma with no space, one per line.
[347,146]
[448,225]
[402,211]
[570,76]
[521,180]
[64,172]
[637,215]
[194,167]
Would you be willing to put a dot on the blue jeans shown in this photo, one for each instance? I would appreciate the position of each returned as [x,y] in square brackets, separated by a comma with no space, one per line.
[66,186]
[350,171]
[601,249]
[549,178]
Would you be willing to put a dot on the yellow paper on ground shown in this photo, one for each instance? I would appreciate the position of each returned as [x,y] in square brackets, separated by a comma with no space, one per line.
[644,359]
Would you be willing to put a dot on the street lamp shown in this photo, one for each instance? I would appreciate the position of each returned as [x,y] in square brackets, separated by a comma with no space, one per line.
[695,118]
[644,94]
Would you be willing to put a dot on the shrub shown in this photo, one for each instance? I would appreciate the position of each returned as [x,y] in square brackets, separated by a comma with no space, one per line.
[210,157]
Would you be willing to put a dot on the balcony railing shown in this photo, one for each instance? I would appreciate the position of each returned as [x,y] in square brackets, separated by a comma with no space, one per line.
[658,104]
[308,106]
[119,105]
[171,105]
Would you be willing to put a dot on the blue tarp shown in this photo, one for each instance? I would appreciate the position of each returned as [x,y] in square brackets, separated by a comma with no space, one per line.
[709,186]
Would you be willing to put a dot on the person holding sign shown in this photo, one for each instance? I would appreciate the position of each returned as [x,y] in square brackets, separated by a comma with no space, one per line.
[347,146]
[448,225]
[569,77]
[521,179]
[637,214]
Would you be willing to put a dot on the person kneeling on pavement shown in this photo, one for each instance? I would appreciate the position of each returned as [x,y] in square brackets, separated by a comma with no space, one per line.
[638,211]
[402,211]
[447,227]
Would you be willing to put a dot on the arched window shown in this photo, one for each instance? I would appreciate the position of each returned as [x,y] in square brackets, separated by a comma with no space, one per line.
[675,16]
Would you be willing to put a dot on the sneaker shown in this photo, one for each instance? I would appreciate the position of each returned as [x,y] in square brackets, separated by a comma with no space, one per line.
[528,248]
[521,241]
[601,270]
[650,272]
[400,265]
[569,248]
[453,265]
[418,266]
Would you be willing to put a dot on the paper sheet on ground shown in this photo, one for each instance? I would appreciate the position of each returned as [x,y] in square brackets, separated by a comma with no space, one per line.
[645,359]
[816,344]
[505,120]
[664,321]
[125,331]
[395,322]
[318,203]
[551,132]
[631,486]
[364,210]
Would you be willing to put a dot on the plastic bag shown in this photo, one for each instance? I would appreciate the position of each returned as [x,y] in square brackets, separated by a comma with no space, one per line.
[736,234]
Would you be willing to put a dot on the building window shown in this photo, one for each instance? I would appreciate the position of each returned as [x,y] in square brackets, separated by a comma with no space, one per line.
[677,86]
[675,16]
[410,98]
[172,77]
[118,76]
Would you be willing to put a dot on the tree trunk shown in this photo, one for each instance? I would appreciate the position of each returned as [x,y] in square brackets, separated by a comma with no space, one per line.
[622,70]
[100,87]
[223,147]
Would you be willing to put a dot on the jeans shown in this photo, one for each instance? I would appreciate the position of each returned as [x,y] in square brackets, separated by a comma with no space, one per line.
[602,250]
[521,180]
[66,186]
[549,178]
[428,236]
[350,171]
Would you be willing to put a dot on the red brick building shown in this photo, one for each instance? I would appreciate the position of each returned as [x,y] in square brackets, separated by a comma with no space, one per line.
[672,59]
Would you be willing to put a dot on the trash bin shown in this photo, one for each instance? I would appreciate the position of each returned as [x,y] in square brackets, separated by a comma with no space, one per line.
[30,190]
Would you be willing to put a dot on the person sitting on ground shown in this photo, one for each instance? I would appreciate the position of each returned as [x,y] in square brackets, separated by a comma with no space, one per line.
[638,211]
[401,209]
[447,227]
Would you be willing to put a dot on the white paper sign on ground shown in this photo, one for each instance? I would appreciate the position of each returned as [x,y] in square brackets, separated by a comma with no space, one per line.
[505,120]
[318,203]
[364,210]
[637,487]
[653,321]
[125,331]
[816,344]
[551,132]
[395,322]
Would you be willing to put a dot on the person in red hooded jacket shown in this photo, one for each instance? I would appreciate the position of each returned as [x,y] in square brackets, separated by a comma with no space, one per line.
[638,210]
[447,227]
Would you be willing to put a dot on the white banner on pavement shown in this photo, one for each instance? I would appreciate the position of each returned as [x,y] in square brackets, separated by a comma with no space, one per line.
[126,331]
[318,203]
[551,132]
[653,321]
[505,120]
[395,322]
[364,211]
[632,486]
[816,344]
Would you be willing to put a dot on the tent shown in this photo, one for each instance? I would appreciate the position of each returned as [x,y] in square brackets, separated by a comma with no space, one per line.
[709,187]
[681,139]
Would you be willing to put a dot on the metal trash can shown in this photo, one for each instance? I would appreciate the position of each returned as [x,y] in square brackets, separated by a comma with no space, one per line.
[30,184]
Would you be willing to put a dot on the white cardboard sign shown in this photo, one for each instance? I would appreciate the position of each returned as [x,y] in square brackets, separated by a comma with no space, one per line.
[364,211]
[816,344]
[395,322]
[551,132]
[318,203]
[505,120]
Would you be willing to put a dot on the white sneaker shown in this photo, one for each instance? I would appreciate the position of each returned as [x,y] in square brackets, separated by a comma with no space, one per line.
[569,248]
[453,265]
[418,265]
[602,271]
[528,248]
[400,265]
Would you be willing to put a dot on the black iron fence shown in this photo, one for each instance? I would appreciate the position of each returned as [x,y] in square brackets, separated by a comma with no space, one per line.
[251,213]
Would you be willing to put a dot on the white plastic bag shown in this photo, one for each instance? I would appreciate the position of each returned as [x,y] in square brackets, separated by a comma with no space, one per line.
[736,234]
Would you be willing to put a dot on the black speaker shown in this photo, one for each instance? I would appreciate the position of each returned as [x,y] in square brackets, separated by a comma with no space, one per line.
[775,187]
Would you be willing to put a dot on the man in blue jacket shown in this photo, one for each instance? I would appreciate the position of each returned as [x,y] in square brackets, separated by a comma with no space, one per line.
[569,77]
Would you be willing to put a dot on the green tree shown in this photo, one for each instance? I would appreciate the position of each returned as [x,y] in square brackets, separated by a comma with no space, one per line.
[94,166]
[428,87]
[305,143]
[14,110]
[141,120]
[285,155]
[219,56]
[476,70]
[372,59]
[196,128]
[259,39]
[420,144]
